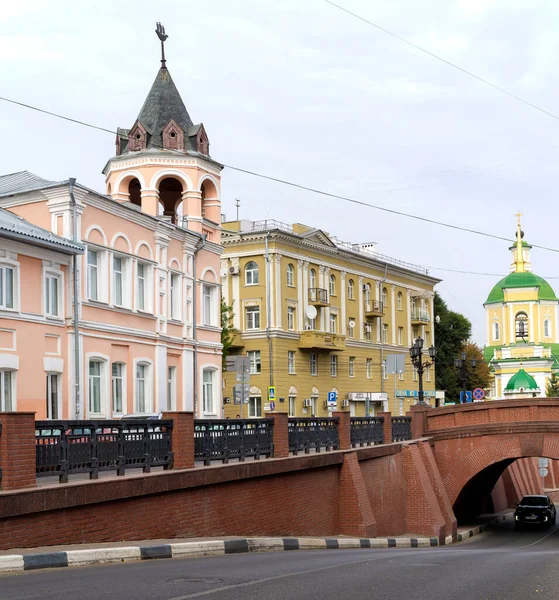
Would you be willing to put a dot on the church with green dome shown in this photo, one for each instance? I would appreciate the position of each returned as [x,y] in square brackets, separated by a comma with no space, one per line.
[522,346]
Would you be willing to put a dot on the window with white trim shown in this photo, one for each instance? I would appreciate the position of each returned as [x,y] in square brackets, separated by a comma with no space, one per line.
[117,387]
[209,305]
[384,297]
[290,275]
[313,358]
[352,366]
[292,405]
[142,270]
[171,388]
[351,328]
[351,289]
[7,397]
[333,365]
[118,281]
[93,274]
[255,406]
[369,368]
[291,318]
[332,285]
[314,405]
[291,362]
[427,373]
[400,335]
[252,317]
[547,328]
[143,387]
[385,333]
[7,281]
[400,304]
[384,371]
[175,297]
[497,333]
[254,362]
[53,383]
[333,323]
[312,278]
[208,391]
[251,273]
[94,386]
[52,295]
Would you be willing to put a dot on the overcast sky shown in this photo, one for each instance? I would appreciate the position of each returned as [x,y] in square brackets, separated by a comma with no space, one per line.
[299,90]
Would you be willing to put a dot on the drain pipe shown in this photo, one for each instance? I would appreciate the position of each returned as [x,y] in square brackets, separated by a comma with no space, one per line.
[268,309]
[199,245]
[77,407]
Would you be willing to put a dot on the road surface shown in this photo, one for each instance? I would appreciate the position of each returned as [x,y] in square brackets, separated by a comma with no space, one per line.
[498,565]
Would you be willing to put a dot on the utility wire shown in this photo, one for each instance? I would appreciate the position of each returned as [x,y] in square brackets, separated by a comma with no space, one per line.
[447,62]
[302,187]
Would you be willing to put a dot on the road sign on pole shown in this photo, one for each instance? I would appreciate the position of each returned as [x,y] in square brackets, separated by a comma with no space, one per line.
[271,393]
[332,396]
[544,472]
[478,394]
[543,463]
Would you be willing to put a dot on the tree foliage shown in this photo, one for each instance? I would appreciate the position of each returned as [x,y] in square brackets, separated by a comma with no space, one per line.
[227,329]
[552,387]
[480,375]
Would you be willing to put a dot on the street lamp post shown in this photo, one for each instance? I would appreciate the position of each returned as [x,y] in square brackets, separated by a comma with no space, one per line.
[460,364]
[416,355]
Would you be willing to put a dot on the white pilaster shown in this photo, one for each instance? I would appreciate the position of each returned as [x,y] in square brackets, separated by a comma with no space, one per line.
[301,305]
[161,399]
[278,298]
[186,401]
[361,313]
[236,290]
[343,291]
[393,322]
[408,317]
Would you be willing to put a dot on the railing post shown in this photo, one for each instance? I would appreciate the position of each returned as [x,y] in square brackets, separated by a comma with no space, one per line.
[182,438]
[18,458]
[344,428]
[418,415]
[280,434]
[387,426]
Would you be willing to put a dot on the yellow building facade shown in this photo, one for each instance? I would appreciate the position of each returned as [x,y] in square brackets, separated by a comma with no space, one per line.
[522,338]
[316,315]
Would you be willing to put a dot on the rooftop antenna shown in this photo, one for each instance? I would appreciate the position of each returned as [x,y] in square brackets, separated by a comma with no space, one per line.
[238,205]
[160,30]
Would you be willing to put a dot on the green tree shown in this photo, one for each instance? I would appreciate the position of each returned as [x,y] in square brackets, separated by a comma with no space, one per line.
[480,375]
[227,329]
[552,387]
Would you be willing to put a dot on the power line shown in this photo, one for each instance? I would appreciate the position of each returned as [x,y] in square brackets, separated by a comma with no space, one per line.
[301,186]
[447,62]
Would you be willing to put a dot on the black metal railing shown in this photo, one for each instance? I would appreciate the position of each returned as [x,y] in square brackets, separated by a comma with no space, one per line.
[313,433]
[66,447]
[318,295]
[367,431]
[222,439]
[401,429]
[374,306]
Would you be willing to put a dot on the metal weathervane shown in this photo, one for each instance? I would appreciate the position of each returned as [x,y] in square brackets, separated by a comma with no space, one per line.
[160,30]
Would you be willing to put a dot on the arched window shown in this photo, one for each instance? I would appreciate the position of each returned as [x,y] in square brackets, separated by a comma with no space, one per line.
[367,290]
[332,285]
[384,296]
[547,328]
[351,289]
[312,278]
[251,273]
[290,275]
[399,300]
[496,331]
[521,322]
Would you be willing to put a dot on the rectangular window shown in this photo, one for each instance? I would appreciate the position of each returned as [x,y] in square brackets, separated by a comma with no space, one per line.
[351,328]
[141,387]
[117,387]
[385,333]
[141,287]
[333,323]
[255,406]
[172,388]
[414,374]
[427,339]
[92,275]
[117,280]
[6,391]
[94,387]
[6,287]
[384,373]
[311,324]
[314,405]
[368,329]
[255,363]
[208,391]
[207,305]
[369,367]
[415,333]
[427,373]
[290,318]
[51,295]
[252,317]
[401,375]
[175,297]
[292,405]
[52,396]
[314,364]
[333,365]
[400,335]
[352,366]
[291,362]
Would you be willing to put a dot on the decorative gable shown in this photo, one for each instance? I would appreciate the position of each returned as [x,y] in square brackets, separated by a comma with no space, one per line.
[137,137]
[318,237]
[173,136]
[202,141]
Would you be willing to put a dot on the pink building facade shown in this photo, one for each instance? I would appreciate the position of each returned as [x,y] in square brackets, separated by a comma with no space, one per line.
[144,335]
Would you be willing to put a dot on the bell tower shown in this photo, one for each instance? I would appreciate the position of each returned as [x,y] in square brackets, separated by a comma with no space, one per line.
[162,163]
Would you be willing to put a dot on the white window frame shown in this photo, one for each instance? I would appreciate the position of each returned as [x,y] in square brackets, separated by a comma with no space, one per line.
[351,289]
[49,375]
[547,328]
[12,267]
[312,278]
[351,330]
[171,387]
[255,312]
[292,405]
[369,368]
[12,384]
[352,366]
[104,385]
[290,275]
[314,405]
[333,365]
[400,336]
[116,274]
[384,296]
[252,273]
[497,331]
[92,273]
[255,406]
[148,385]
[207,408]
[145,279]
[313,364]
[210,307]
[291,318]
[50,277]
[291,362]
[399,300]
[384,371]
[175,296]
[332,285]
[255,362]
[385,333]
[427,373]
[333,323]
[122,378]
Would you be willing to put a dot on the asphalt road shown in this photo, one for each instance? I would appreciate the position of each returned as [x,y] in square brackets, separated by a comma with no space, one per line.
[499,565]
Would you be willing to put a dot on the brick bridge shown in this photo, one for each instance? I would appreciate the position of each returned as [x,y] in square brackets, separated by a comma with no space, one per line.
[458,464]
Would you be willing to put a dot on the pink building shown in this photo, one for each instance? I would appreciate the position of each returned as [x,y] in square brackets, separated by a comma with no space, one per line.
[144,335]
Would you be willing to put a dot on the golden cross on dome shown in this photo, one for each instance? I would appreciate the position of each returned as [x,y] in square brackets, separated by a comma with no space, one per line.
[520,267]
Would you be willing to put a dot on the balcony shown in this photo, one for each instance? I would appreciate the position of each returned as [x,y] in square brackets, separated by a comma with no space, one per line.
[374,309]
[320,340]
[420,317]
[318,297]
[237,340]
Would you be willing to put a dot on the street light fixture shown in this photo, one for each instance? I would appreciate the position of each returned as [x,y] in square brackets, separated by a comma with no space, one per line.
[416,355]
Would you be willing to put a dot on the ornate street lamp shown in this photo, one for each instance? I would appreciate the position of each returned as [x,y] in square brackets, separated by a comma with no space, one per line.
[416,355]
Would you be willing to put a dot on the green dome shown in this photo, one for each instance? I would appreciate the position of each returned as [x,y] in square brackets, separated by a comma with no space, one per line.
[521,280]
[521,381]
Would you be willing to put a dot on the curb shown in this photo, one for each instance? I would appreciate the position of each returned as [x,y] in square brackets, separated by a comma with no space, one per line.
[469,533]
[74,558]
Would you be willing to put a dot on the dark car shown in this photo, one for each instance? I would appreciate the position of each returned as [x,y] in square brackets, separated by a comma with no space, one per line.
[534,510]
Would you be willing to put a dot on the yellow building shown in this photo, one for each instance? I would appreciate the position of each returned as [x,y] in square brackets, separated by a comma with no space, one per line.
[522,337]
[318,315]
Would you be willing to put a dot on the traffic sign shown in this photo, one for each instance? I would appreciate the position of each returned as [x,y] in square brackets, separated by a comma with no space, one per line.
[478,394]
[332,396]
[271,393]
[242,388]
[544,472]
[272,405]
[543,463]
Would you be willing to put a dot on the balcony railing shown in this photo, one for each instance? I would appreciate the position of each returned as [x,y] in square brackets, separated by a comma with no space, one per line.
[420,316]
[66,447]
[401,429]
[320,340]
[367,431]
[318,297]
[222,439]
[374,309]
[313,434]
